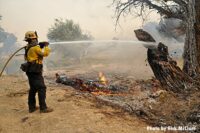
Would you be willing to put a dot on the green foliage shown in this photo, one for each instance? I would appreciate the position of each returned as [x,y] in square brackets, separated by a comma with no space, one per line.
[66,31]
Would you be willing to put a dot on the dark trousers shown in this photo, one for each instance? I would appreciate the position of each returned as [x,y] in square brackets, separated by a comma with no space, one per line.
[36,82]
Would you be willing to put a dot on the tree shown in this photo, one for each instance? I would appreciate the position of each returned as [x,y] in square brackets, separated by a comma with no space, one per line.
[166,8]
[8,40]
[165,68]
[66,31]
[192,43]
[181,9]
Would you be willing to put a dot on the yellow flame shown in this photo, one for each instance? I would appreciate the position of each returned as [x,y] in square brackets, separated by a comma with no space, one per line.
[102,78]
[101,93]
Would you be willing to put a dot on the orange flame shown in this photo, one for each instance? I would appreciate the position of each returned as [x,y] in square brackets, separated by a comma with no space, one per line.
[97,93]
[102,78]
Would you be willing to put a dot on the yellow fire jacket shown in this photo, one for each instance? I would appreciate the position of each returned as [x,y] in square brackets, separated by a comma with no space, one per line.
[36,54]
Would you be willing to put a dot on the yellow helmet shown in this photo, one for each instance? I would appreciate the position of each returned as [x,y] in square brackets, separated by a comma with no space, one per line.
[30,35]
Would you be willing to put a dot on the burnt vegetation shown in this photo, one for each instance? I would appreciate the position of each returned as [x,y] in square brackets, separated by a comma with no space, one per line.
[165,68]
[181,84]
[166,8]
[188,12]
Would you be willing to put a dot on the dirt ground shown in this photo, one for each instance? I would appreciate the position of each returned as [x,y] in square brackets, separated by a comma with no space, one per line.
[78,112]
[73,112]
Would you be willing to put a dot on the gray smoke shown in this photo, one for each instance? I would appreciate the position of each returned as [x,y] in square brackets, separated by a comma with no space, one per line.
[110,56]
[8,42]
[7,46]
[170,32]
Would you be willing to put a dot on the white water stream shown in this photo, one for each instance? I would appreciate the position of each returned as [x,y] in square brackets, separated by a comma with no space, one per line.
[111,55]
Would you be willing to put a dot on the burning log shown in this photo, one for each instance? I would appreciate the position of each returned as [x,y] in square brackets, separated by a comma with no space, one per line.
[96,87]
[164,67]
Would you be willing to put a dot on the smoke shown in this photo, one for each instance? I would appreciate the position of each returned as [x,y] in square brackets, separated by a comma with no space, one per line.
[1,44]
[126,57]
[113,56]
[8,42]
[7,46]
[170,32]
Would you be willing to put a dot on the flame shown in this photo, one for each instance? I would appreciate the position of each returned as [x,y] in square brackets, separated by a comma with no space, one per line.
[102,78]
[97,93]
[108,93]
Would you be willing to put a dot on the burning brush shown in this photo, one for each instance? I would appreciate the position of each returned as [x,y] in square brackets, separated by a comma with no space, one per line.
[97,87]
[102,78]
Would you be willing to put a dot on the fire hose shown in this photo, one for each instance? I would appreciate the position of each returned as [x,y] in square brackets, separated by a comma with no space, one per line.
[42,44]
[10,59]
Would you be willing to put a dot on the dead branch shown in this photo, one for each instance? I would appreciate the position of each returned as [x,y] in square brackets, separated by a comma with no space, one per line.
[163,8]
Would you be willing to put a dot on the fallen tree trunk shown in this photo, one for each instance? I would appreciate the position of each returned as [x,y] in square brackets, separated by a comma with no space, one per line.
[164,67]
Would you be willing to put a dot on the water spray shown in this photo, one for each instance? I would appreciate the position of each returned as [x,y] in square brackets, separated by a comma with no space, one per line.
[82,42]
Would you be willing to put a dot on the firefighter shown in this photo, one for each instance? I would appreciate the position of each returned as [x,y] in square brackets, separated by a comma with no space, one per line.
[34,56]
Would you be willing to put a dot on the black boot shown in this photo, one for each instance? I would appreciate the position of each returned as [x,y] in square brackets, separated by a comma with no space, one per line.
[47,110]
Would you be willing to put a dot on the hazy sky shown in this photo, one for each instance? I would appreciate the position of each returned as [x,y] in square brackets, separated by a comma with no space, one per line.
[93,16]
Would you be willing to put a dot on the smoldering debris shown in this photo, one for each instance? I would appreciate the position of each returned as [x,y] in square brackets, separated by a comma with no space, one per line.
[143,98]
[92,86]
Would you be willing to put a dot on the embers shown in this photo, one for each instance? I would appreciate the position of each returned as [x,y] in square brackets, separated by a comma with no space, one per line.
[96,87]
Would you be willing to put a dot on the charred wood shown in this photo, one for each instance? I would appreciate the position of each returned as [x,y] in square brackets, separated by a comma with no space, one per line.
[89,85]
[165,68]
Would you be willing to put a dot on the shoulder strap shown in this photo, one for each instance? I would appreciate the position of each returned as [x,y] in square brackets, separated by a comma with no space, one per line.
[28,47]
[26,50]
